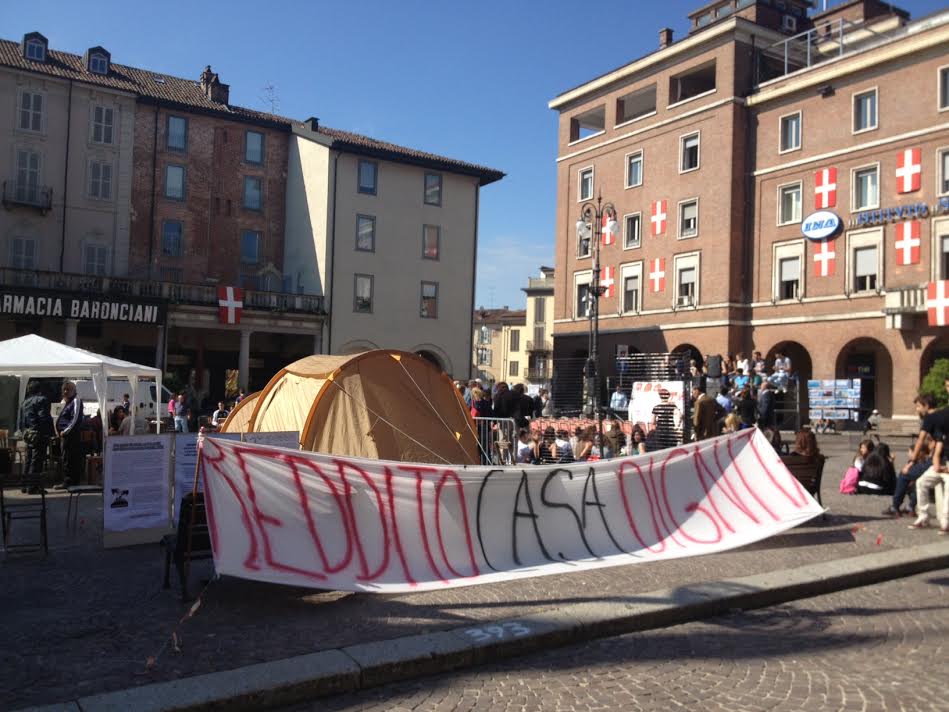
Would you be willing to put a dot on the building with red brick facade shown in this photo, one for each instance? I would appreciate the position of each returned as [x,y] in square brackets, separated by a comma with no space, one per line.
[780,181]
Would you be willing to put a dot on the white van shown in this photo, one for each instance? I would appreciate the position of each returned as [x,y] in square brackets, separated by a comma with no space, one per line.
[145,400]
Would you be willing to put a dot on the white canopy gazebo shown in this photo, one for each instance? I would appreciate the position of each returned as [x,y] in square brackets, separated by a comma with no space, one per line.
[32,355]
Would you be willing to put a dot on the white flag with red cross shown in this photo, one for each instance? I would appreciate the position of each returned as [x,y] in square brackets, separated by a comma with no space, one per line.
[907,243]
[609,237]
[230,303]
[658,217]
[937,303]
[824,259]
[607,280]
[825,188]
[657,274]
[909,170]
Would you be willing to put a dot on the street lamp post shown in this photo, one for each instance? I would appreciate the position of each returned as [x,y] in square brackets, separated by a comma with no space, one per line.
[593,217]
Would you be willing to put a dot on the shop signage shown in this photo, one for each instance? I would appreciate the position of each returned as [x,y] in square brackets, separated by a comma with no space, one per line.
[915,211]
[820,225]
[18,303]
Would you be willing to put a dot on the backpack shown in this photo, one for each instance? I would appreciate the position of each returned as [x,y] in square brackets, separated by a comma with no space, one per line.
[848,485]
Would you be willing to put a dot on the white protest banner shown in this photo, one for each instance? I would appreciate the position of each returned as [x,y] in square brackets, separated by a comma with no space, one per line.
[288,439]
[306,519]
[186,460]
[136,483]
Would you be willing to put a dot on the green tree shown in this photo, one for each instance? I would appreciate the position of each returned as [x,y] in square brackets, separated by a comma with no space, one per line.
[934,382]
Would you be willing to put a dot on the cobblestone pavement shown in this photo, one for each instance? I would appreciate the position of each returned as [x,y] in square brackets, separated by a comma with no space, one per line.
[876,648]
[85,620]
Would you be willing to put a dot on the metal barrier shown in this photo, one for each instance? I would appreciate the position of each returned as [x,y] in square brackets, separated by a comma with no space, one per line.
[498,440]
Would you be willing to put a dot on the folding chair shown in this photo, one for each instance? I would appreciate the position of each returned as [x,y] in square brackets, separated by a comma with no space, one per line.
[32,507]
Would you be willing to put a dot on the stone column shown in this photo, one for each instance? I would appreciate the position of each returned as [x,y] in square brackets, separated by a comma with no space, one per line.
[71,328]
[243,361]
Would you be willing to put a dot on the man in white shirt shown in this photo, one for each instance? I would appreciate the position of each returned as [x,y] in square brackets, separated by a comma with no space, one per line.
[618,401]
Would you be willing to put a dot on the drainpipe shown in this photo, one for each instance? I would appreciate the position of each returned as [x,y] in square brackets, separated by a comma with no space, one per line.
[474,277]
[62,240]
[330,267]
[151,206]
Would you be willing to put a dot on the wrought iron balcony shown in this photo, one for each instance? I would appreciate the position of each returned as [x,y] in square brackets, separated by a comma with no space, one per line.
[176,293]
[901,303]
[543,345]
[539,374]
[31,196]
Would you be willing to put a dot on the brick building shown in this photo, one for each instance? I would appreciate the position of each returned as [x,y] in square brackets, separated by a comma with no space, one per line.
[717,149]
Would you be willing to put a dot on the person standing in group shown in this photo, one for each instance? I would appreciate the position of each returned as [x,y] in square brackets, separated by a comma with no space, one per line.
[666,420]
[705,414]
[68,425]
[219,416]
[36,426]
[746,409]
[767,413]
[181,414]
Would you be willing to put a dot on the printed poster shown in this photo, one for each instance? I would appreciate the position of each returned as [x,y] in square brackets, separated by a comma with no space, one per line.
[136,484]
[186,459]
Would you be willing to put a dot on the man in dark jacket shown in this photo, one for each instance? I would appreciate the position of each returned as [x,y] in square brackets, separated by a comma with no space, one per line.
[767,415]
[523,406]
[36,426]
[503,401]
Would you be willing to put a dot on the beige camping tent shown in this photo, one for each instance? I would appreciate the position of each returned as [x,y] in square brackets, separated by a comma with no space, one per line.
[388,405]
[239,416]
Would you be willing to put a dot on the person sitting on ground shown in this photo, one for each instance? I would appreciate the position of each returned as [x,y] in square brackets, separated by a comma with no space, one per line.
[732,423]
[873,422]
[637,442]
[561,449]
[545,450]
[584,444]
[864,449]
[615,438]
[919,460]
[805,444]
[878,475]
[525,451]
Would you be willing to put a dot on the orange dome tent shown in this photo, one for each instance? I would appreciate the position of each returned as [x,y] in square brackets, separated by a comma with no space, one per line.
[384,404]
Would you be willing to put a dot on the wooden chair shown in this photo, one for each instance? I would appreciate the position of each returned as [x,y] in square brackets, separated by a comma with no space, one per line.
[31,507]
[808,471]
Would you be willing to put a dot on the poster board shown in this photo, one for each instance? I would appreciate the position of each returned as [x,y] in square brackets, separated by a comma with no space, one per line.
[658,406]
[289,439]
[185,461]
[834,399]
[136,477]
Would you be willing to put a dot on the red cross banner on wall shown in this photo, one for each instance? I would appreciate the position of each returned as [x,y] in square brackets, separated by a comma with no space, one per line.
[909,170]
[824,259]
[937,303]
[658,217]
[230,302]
[607,279]
[825,188]
[907,243]
[657,275]
[609,237]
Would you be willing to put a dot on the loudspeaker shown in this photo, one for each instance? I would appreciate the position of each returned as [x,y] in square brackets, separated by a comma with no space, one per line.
[714,364]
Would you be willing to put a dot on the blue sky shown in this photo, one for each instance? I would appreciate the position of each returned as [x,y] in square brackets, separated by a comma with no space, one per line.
[468,80]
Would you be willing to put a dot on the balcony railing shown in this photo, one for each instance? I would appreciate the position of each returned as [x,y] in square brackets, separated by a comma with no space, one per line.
[540,345]
[900,303]
[32,196]
[538,374]
[198,294]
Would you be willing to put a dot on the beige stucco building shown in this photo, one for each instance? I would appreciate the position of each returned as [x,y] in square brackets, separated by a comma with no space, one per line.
[67,146]
[389,236]
[499,346]
[539,327]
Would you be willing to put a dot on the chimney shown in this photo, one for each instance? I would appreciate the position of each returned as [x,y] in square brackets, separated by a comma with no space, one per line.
[212,87]
[665,37]
[314,123]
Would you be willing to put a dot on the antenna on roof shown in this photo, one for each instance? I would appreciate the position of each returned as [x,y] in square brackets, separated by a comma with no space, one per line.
[270,97]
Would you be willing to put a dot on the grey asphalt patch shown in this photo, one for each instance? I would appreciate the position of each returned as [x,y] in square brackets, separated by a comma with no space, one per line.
[369,664]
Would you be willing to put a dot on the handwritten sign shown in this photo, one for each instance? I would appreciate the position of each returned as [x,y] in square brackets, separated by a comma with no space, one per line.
[283,438]
[349,524]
